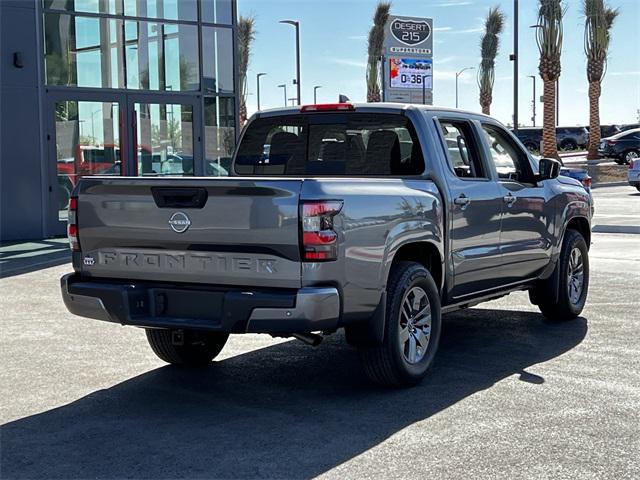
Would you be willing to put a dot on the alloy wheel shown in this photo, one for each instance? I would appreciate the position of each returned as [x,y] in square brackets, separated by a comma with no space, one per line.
[575,276]
[415,325]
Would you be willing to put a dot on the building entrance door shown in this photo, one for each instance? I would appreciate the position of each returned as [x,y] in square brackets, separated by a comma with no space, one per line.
[117,134]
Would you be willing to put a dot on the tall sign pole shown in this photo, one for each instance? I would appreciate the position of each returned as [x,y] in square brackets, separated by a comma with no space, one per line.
[407,61]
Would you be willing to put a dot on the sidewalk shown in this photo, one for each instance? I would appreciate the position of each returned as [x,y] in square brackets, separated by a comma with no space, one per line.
[23,257]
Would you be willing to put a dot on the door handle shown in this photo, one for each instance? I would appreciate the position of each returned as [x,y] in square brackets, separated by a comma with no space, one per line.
[509,199]
[463,201]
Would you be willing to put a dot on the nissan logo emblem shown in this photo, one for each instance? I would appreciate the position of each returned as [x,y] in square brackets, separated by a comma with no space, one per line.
[179,222]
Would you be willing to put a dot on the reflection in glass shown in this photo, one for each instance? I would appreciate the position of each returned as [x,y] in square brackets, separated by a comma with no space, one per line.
[113,7]
[83,51]
[162,56]
[217,11]
[217,59]
[162,9]
[219,134]
[164,139]
[87,143]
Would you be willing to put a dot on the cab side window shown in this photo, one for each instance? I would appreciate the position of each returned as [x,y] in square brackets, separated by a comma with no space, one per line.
[510,161]
[461,149]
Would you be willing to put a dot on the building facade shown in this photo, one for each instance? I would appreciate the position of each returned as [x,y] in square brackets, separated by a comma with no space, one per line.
[109,87]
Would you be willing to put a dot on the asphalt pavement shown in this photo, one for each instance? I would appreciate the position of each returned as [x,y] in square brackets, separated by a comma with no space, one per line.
[510,396]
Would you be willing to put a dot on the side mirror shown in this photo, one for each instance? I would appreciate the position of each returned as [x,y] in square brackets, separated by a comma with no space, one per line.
[548,168]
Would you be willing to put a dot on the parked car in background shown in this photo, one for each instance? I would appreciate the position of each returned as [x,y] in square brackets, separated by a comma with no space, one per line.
[571,138]
[623,147]
[608,130]
[568,138]
[531,137]
[634,173]
[629,126]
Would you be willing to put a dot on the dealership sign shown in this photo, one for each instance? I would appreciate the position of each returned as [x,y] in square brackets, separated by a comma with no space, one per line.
[408,60]
[410,32]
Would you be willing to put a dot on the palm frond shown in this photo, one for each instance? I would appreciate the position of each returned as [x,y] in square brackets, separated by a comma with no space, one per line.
[374,48]
[246,34]
[599,19]
[489,45]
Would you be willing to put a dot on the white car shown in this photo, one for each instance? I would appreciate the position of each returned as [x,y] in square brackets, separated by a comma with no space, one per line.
[634,173]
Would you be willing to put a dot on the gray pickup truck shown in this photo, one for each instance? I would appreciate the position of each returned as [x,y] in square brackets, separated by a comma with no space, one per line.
[375,218]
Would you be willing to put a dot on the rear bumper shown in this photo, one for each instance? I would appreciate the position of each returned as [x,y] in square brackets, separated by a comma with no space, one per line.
[162,305]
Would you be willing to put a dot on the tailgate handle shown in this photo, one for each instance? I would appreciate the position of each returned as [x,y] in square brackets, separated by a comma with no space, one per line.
[171,197]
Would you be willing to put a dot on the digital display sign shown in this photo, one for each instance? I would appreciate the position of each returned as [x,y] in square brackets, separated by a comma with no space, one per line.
[411,73]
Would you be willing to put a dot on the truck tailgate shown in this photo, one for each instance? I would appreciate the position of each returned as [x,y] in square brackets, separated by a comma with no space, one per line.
[222,231]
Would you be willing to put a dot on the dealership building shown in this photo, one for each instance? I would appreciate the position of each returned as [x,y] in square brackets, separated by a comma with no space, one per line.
[109,87]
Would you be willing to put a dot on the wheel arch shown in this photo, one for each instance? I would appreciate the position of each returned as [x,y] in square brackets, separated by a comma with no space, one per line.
[425,253]
[581,225]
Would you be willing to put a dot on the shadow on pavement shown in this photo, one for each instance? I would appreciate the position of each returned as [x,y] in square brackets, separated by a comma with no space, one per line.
[283,411]
[25,257]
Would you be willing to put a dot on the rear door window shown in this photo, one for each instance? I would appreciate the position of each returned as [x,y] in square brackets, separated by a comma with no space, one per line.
[344,144]
[462,152]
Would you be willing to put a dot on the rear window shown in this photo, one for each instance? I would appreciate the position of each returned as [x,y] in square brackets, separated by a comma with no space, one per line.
[330,144]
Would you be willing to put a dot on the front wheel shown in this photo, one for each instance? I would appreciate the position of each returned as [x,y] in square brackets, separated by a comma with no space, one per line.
[412,329]
[573,281]
[191,348]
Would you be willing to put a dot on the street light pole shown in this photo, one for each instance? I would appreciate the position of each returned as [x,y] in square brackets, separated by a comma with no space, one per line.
[515,66]
[292,100]
[258,87]
[315,93]
[284,85]
[458,75]
[533,99]
[296,24]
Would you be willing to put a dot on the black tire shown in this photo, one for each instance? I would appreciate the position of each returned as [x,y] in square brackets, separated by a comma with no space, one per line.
[619,161]
[565,308]
[191,348]
[569,145]
[386,364]
[638,188]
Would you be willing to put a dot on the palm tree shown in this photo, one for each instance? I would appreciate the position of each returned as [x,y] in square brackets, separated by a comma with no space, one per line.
[599,19]
[549,38]
[376,38]
[493,26]
[246,36]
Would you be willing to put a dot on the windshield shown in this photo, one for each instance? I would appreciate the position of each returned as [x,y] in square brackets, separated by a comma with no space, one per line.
[330,144]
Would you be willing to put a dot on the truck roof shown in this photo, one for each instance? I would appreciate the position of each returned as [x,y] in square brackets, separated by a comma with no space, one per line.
[375,107]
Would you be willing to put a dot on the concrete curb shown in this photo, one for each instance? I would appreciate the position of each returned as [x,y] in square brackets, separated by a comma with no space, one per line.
[609,184]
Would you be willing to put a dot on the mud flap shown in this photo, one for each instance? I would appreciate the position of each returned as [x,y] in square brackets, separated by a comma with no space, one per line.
[370,333]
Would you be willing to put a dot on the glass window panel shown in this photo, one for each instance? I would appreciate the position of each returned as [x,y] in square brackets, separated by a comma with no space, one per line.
[162,56]
[87,143]
[83,51]
[217,11]
[219,135]
[164,139]
[162,9]
[217,59]
[113,7]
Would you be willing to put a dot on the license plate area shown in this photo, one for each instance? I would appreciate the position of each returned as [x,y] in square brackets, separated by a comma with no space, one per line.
[186,304]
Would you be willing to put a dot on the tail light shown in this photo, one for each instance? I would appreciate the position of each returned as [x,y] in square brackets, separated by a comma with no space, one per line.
[586,181]
[319,239]
[611,142]
[72,224]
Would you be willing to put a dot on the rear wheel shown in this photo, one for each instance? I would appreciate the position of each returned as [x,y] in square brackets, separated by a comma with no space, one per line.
[630,155]
[193,348]
[569,145]
[573,280]
[412,329]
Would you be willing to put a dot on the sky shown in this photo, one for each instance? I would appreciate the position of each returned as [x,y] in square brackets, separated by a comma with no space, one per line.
[334,52]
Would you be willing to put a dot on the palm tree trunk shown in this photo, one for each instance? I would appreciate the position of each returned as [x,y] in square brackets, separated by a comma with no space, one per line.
[486,109]
[549,141]
[594,120]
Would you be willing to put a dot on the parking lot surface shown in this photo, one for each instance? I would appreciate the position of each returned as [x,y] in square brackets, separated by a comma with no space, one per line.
[511,396]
